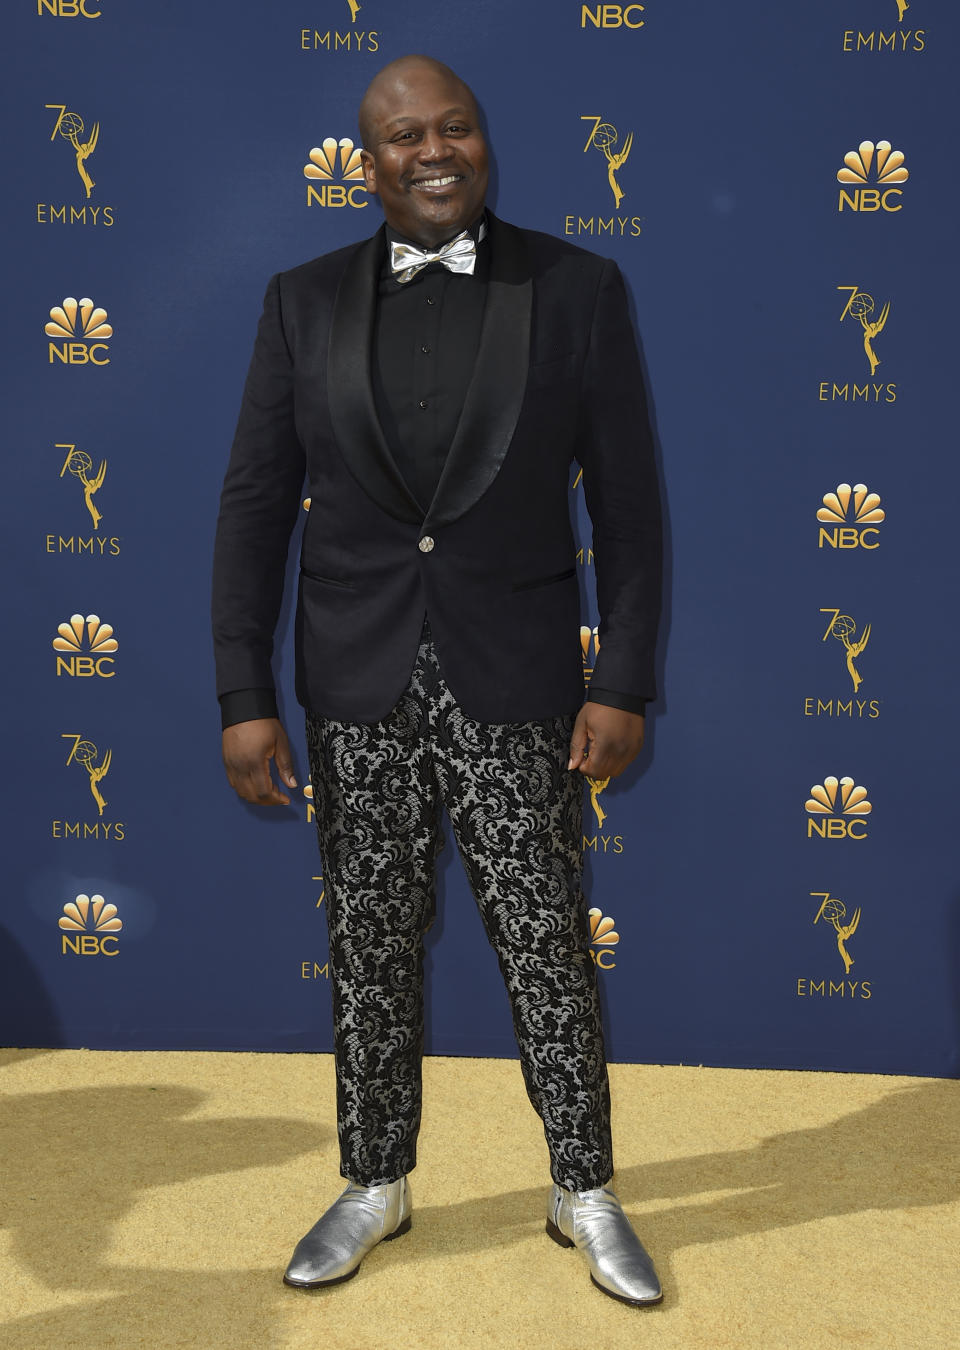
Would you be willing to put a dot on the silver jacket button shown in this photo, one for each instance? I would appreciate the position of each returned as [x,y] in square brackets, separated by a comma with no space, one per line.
[426,544]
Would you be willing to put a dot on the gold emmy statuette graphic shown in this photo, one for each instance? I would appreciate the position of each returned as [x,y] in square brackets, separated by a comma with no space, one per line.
[861,306]
[844,629]
[98,635]
[835,911]
[604,137]
[79,463]
[823,799]
[589,647]
[69,125]
[354,9]
[78,319]
[85,752]
[882,156]
[902,7]
[323,161]
[90,914]
[854,504]
[596,787]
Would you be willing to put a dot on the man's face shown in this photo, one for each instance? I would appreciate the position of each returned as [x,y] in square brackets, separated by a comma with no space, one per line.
[426,158]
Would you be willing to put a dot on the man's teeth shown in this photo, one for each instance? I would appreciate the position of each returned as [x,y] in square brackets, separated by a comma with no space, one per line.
[438,182]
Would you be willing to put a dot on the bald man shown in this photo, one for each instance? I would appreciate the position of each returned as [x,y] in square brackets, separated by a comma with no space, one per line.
[433,385]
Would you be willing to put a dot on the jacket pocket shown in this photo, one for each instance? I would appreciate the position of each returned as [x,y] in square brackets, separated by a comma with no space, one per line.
[545,581]
[326,581]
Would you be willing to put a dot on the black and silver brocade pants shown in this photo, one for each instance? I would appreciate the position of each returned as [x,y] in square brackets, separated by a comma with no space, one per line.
[516,816]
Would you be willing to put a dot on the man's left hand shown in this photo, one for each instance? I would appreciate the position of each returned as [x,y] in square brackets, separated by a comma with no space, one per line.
[605,740]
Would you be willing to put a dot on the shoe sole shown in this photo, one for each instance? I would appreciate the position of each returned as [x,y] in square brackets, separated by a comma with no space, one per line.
[562,1240]
[342,1279]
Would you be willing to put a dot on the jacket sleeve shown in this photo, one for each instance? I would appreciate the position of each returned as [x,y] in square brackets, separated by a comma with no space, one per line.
[615,451]
[258,510]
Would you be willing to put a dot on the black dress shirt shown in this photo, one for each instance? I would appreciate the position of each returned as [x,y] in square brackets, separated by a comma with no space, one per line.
[425,341]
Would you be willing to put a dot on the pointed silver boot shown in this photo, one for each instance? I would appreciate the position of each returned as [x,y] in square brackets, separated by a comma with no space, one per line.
[594,1223]
[353,1225]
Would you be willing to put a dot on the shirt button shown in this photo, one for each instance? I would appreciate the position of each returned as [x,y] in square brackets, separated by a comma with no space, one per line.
[425,349]
[426,544]
[430,300]
[424,403]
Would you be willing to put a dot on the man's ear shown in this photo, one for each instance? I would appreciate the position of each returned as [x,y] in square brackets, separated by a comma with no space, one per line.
[369,172]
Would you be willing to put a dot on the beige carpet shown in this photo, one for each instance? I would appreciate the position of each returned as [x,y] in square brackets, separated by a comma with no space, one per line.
[153,1199]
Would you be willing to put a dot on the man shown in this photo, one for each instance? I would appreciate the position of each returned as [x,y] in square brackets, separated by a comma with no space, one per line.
[434,384]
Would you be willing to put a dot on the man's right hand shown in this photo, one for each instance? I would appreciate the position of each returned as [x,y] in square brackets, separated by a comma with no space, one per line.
[248,748]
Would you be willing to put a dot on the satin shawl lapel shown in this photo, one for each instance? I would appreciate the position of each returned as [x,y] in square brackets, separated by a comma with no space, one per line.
[350,391]
[496,390]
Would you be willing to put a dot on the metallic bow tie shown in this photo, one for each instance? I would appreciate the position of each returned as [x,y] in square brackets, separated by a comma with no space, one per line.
[459,255]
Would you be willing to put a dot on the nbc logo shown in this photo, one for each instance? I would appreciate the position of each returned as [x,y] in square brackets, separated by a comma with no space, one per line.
[89,645]
[84,331]
[89,926]
[612,16]
[69,9]
[837,810]
[878,163]
[332,161]
[849,518]
[603,936]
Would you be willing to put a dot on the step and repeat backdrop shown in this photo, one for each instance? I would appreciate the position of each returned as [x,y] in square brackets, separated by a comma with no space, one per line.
[775,884]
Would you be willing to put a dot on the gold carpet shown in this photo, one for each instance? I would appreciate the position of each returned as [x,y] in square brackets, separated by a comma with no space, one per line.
[153,1200]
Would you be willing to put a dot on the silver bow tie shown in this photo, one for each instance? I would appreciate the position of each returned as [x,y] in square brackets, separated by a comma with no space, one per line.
[459,255]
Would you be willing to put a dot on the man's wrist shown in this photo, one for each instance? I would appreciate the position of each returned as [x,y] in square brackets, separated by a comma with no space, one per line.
[610,698]
[246,705]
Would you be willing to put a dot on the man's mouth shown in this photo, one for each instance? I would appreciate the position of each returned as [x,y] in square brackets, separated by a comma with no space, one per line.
[437,184]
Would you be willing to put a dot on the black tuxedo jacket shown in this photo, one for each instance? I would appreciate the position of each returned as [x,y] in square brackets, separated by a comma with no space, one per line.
[492,563]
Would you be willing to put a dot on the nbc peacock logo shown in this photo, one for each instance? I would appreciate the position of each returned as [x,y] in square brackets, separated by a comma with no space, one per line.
[603,938]
[872,163]
[82,330]
[849,518]
[837,809]
[336,169]
[85,647]
[89,926]
[589,649]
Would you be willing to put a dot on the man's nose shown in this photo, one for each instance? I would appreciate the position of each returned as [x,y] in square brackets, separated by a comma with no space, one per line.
[433,147]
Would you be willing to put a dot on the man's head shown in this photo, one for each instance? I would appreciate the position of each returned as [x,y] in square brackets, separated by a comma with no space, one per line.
[424,153]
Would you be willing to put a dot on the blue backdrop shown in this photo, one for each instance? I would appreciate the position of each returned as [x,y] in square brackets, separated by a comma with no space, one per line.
[775,883]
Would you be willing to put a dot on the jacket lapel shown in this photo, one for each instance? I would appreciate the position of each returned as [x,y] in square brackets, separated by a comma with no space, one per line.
[350,391]
[496,390]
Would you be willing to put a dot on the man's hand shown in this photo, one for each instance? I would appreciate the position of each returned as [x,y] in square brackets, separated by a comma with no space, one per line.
[605,740]
[248,748]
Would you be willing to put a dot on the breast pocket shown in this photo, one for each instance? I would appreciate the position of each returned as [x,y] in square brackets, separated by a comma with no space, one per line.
[561,369]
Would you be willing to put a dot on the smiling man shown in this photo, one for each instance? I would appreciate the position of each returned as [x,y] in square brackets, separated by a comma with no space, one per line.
[433,385]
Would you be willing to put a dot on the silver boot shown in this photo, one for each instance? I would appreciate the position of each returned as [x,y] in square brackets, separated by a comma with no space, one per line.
[594,1223]
[353,1225]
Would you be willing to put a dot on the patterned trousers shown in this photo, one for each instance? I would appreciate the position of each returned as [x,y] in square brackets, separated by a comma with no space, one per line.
[516,816]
